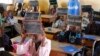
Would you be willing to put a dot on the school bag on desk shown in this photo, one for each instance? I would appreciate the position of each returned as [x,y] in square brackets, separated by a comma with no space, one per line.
[70,36]
[61,36]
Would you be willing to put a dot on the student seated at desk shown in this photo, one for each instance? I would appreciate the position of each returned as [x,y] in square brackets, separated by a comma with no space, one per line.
[5,41]
[59,22]
[37,45]
[61,35]
[70,34]
[9,18]
[11,22]
[73,35]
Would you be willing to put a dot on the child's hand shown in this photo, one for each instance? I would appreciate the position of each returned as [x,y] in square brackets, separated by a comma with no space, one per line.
[23,36]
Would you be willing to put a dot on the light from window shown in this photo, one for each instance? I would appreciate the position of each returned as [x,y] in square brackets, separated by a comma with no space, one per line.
[6,1]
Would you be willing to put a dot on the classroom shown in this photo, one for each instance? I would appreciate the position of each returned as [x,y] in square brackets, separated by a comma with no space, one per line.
[49,28]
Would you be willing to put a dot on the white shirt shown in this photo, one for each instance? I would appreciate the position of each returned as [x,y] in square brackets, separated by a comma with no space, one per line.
[12,21]
[58,24]
[85,22]
[45,51]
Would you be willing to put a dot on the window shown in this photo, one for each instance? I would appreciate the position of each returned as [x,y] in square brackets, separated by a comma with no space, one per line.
[6,1]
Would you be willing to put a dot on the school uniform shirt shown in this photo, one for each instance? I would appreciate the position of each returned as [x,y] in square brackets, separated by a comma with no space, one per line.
[85,22]
[11,21]
[31,51]
[58,24]
[45,50]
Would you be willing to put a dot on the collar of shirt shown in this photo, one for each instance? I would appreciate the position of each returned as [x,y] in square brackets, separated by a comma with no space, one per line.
[2,49]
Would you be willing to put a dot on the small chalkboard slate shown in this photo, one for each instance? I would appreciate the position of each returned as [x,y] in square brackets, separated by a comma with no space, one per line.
[33,27]
[74,20]
[62,11]
[32,16]
[34,3]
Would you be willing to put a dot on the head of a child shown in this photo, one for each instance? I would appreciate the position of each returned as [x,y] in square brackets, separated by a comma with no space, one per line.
[72,28]
[38,37]
[78,29]
[62,18]
[64,28]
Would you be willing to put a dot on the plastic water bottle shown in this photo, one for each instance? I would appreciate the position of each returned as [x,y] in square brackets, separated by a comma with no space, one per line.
[74,8]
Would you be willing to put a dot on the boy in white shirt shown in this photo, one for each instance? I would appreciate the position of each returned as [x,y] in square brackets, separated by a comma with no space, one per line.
[37,45]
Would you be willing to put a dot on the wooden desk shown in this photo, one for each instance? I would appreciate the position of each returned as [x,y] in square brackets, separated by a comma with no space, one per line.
[51,32]
[47,18]
[88,41]
[18,18]
[57,51]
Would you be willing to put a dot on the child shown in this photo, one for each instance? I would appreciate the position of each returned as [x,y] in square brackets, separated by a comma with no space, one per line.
[40,44]
[5,41]
[37,45]
[71,34]
[59,22]
[61,35]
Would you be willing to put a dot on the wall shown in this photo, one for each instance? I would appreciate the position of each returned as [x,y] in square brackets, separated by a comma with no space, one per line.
[95,4]
[43,5]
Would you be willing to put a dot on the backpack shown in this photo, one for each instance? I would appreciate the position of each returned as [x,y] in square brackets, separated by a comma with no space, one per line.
[61,36]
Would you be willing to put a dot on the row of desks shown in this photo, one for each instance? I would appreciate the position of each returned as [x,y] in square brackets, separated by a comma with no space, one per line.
[58,47]
[45,18]
[56,50]
[87,40]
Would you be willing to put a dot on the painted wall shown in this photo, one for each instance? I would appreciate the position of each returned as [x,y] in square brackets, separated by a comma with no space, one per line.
[43,5]
[62,3]
[95,4]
